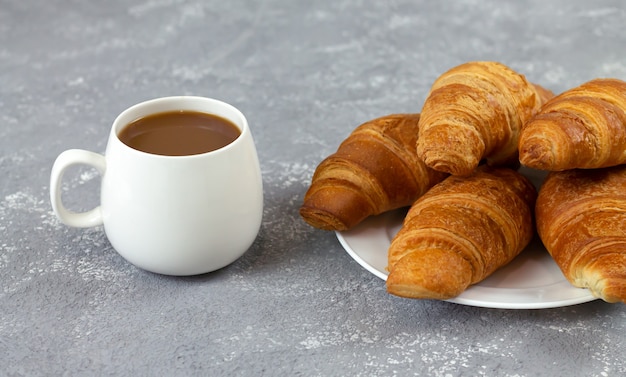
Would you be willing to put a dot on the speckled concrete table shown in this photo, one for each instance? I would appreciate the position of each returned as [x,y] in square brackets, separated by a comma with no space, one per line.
[305,73]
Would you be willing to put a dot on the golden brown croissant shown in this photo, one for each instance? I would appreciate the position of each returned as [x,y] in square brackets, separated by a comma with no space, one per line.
[584,127]
[475,111]
[374,170]
[581,219]
[460,232]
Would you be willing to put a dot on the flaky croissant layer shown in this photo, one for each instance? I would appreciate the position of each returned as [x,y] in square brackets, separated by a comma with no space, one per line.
[460,232]
[584,127]
[375,169]
[475,111]
[581,219]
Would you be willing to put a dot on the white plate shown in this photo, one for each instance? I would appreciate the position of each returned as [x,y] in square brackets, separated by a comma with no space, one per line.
[530,281]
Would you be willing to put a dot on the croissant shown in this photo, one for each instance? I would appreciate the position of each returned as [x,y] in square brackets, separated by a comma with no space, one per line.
[460,232]
[584,127]
[581,220]
[475,111]
[374,170]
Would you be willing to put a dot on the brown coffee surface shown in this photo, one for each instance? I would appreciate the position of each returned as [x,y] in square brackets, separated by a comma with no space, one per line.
[179,133]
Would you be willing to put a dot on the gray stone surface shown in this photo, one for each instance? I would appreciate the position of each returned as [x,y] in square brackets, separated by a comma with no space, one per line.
[305,73]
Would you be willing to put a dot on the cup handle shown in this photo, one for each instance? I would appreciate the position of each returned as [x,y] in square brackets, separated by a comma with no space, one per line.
[64,161]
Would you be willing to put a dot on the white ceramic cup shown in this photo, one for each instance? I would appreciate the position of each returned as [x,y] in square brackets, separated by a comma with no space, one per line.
[174,215]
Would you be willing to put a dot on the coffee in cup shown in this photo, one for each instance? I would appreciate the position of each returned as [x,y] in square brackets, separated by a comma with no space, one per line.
[181,190]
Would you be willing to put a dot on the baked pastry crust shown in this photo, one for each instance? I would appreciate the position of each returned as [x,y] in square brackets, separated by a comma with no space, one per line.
[581,219]
[460,232]
[375,169]
[584,127]
[475,111]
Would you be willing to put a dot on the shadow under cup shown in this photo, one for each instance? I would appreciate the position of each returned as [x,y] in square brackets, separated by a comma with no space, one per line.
[182,215]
